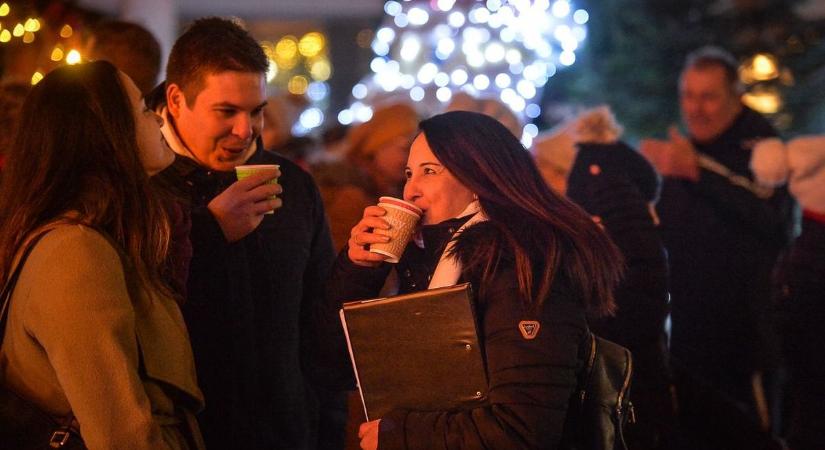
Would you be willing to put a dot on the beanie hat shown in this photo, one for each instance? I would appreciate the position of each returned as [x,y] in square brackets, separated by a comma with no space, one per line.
[800,163]
[558,146]
[387,123]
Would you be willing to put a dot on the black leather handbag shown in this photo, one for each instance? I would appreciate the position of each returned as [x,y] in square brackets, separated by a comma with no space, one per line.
[24,426]
[601,406]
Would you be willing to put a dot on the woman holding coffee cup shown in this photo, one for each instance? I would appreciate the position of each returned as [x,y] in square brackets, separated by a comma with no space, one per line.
[538,265]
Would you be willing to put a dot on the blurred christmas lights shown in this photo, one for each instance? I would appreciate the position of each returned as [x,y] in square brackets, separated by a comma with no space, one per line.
[427,50]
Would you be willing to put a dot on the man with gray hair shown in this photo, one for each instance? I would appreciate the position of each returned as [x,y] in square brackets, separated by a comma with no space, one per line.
[723,233]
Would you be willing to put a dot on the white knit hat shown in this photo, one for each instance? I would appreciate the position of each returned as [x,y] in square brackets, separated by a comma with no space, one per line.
[557,147]
[800,163]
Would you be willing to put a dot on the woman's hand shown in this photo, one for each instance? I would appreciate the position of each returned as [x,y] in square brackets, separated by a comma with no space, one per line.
[368,433]
[362,235]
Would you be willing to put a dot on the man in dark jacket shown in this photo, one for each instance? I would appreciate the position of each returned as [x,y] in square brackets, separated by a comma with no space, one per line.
[723,233]
[268,348]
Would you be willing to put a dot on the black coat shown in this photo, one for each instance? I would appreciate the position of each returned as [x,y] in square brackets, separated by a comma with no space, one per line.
[723,240]
[531,381]
[267,345]
[801,295]
[615,185]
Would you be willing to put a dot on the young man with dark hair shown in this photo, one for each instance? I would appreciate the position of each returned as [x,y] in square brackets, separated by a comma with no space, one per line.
[723,233]
[269,350]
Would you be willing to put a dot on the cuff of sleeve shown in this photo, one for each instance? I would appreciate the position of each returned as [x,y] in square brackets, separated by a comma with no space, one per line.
[349,268]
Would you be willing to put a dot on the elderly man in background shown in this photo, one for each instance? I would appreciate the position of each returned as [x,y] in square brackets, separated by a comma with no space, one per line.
[723,233]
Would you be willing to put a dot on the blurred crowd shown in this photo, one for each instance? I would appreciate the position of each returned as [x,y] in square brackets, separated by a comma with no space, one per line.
[720,226]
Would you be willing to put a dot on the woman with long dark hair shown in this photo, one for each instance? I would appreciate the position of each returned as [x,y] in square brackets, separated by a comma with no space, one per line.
[93,333]
[531,256]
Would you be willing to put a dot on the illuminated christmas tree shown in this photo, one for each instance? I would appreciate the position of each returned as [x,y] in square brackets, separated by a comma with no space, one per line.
[429,50]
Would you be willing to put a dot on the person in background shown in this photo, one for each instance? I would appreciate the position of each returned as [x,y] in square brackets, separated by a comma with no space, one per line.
[586,161]
[723,233]
[12,95]
[800,280]
[130,47]
[93,332]
[489,219]
[281,113]
[373,165]
[492,107]
[269,349]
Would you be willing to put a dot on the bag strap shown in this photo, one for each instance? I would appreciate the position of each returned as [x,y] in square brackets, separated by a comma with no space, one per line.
[5,296]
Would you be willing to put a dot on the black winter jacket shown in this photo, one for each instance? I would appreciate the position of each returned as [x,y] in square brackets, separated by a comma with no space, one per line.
[531,381]
[268,347]
[723,239]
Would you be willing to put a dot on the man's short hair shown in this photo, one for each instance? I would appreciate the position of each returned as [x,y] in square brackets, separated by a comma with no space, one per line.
[712,56]
[131,48]
[212,45]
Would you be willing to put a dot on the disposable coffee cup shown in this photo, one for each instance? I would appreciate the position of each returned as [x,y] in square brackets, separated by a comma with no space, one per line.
[245,171]
[403,218]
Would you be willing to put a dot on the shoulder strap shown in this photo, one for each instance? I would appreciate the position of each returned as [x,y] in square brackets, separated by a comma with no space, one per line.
[5,296]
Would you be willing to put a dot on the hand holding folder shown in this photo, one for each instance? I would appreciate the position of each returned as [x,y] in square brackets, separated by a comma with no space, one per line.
[416,351]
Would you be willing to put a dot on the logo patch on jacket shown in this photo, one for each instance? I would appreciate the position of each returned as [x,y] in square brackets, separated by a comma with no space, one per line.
[529,329]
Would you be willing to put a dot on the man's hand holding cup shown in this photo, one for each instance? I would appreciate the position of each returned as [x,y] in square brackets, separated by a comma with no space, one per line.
[242,206]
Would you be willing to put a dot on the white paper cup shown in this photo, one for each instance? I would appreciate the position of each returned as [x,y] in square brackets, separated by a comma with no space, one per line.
[403,218]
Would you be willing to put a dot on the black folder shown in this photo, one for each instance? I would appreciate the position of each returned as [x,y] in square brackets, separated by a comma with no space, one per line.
[416,351]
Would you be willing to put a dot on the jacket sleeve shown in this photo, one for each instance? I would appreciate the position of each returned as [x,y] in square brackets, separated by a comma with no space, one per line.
[531,381]
[322,334]
[83,317]
[768,212]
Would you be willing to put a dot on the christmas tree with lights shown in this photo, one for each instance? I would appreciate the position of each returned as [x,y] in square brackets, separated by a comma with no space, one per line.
[428,50]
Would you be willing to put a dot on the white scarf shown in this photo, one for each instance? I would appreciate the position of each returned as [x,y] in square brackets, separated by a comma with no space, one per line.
[448,269]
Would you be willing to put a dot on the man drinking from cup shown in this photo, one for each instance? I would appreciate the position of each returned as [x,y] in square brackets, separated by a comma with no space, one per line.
[269,350]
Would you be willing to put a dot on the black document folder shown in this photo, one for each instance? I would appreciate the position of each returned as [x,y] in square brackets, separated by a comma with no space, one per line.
[416,351]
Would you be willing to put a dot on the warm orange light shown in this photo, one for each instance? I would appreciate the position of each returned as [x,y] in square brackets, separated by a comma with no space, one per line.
[73,57]
[298,85]
[66,31]
[320,70]
[57,54]
[311,44]
[760,67]
[32,25]
[765,101]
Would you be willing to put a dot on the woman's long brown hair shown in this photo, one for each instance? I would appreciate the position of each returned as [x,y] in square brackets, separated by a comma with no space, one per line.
[542,230]
[76,153]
